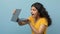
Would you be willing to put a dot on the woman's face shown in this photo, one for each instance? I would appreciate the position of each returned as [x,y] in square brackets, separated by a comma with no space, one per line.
[34,12]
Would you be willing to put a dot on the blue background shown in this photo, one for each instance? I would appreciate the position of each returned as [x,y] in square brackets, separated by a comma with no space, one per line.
[6,11]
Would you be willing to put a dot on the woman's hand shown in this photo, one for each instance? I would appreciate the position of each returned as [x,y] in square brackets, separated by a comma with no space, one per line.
[14,11]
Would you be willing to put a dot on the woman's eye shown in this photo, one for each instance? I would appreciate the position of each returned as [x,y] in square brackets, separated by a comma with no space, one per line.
[33,9]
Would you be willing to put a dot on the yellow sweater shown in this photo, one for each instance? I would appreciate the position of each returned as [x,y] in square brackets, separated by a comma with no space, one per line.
[38,23]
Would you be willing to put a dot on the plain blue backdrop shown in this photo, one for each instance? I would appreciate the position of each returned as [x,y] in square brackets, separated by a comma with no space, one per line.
[6,11]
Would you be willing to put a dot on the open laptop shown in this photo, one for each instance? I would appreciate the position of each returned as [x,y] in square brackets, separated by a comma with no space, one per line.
[15,16]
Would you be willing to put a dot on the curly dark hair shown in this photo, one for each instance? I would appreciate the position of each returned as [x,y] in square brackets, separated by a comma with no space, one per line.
[42,11]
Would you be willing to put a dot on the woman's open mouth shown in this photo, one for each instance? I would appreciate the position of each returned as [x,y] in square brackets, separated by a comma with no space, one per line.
[32,14]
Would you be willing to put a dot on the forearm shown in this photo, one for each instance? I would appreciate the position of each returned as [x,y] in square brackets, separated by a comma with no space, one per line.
[35,30]
[32,27]
[22,21]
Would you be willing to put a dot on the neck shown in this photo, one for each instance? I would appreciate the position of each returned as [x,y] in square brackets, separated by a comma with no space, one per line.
[36,18]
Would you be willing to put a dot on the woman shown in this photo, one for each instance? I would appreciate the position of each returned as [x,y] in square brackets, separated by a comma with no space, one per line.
[39,19]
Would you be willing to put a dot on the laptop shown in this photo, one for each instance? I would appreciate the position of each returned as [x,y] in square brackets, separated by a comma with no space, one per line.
[15,16]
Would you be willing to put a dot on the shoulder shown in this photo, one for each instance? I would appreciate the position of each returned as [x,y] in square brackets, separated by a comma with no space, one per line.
[44,21]
[30,18]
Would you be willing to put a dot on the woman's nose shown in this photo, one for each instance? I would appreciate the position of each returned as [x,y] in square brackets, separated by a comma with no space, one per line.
[31,12]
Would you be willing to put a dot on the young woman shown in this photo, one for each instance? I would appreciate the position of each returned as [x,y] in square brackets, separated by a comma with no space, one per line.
[39,19]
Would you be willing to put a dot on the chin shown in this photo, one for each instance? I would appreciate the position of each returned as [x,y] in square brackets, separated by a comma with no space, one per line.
[33,16]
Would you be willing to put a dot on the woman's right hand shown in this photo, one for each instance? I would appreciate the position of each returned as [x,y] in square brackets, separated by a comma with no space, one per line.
[14,11]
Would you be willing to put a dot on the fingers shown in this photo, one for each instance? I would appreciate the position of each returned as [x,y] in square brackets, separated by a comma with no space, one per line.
[14,11]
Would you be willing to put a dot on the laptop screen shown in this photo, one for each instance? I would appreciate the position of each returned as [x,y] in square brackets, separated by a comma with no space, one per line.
[15,15]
